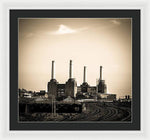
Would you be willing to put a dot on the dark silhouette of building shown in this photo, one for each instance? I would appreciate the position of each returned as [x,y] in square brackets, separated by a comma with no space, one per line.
[84,86]
[92,90]
[70,87]
[71,84]
[59,90]
[42,92]
[52,85]
[102,88]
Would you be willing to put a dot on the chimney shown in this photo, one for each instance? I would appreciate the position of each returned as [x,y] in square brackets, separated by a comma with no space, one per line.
[52,74]
[84,75]
[100,72]
[70,70]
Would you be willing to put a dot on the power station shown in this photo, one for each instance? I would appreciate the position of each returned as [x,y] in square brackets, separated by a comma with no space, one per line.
[70,88]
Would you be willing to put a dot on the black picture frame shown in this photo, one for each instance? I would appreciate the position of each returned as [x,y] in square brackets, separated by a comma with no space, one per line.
[134,14]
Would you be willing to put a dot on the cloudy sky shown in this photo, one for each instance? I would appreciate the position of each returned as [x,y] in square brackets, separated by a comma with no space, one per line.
[87,42]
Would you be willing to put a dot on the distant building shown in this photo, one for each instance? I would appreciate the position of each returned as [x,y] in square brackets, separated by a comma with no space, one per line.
[78,89]
[84,91]
[92,90]
[84,86]
[67,89]
[52,85]
[71,84]
[27,95]
[60,90]
[111,97]
[126,98]
[101,87]
[69,100]
[42,92]
[107,97]
[71,88]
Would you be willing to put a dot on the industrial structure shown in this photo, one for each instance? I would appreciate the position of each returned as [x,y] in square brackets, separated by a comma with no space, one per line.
[101,84]
[71,84]
[84,86]
[62,90]
[52,85]
[70,88]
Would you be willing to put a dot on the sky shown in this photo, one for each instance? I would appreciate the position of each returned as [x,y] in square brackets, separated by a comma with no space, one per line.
[90,42]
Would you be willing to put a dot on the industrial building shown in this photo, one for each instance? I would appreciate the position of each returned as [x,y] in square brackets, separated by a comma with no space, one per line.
[61,90]
[101,87]
[107,97]
[52,85]
[84,86]
[71,84]
[65,90]
[92,90]
[70,88]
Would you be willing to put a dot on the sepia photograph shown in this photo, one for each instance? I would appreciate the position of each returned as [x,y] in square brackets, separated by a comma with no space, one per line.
[75,70]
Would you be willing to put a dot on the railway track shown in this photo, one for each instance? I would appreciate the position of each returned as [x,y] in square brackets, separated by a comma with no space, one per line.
[128,117]
[108,113]
[97,112]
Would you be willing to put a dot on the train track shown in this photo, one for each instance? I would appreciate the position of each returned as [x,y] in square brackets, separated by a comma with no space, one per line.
[128,117]
[105,113]
[98,112]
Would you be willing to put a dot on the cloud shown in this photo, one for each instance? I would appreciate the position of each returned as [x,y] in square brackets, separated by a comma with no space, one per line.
[63,29]
[116,22]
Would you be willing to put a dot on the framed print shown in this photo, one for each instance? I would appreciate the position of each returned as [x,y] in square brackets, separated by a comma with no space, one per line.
[75,69]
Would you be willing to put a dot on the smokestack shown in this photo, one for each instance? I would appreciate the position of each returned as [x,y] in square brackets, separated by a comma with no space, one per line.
[84,75]
[70,70]
[100,72]
[52,74]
